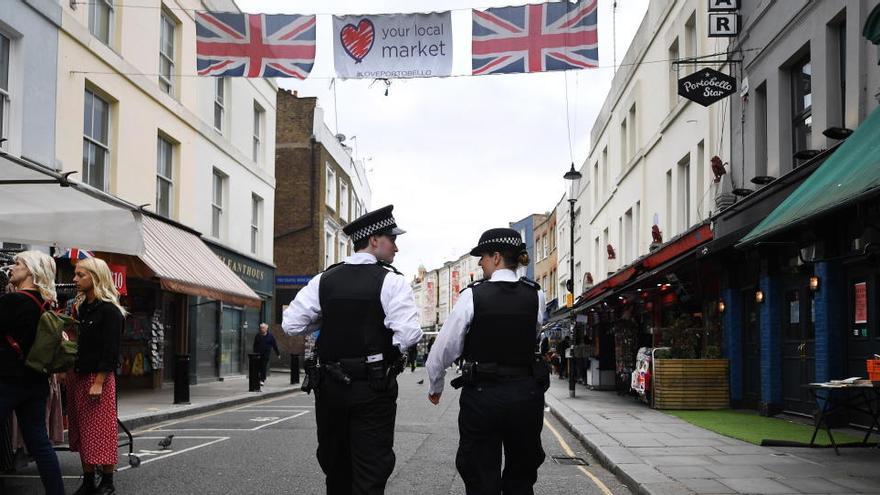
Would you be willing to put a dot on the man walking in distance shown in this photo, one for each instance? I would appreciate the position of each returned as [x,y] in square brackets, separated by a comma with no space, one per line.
[367,315]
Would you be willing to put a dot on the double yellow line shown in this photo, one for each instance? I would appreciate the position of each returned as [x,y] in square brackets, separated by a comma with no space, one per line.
[596,481]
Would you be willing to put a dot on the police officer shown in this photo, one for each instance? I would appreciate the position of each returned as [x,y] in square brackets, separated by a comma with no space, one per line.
[367,315]
[494,327]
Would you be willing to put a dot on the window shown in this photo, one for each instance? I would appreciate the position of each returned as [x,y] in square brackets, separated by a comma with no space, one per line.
[684,193]
[837,44]
[628,247]
[673,75]
[637,227]
[219,183]
[690,39]
[259,114]
[669,201]
[597,256]
[101,19]
[328,249]
[632,139]
[596,184]
[605,166]
[343,201]
[219,102]
[761,130]
[256,222]
[166,53]
[602,254]
[330,187]
[4,89]
[96,145]
[802,105]
[164,177]
[340,253]
[624,146]
[619,250]
[546,246]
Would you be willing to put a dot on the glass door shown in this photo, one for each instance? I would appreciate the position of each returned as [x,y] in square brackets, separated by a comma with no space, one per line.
[230,341]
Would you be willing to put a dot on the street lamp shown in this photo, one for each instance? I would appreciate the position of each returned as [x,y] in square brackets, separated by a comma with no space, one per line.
[574,178]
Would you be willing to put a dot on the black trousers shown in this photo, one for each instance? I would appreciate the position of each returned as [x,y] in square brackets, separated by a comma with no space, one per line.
[505,414]
[264,366]
[355,435]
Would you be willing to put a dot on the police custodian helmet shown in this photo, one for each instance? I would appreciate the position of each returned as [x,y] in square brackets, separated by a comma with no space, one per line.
[376,222]
[500,240]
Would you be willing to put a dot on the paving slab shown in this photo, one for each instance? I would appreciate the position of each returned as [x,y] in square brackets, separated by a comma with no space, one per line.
[814,485]
[706,486]
[756,485]
[685,472]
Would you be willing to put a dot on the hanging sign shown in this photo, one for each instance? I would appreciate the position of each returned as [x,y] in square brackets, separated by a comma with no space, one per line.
[118,273]
[392,46]
[706,86]
[860,305]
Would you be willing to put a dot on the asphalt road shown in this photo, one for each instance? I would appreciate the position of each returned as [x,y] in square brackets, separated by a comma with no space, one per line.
[269,447]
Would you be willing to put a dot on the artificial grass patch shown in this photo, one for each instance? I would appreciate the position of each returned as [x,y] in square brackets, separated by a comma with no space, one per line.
[752,428]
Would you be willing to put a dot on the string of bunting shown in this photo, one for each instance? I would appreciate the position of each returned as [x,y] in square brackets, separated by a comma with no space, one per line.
[521,39]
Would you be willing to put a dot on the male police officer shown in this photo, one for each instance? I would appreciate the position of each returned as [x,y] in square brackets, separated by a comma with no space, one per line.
[494,327]
[368,318]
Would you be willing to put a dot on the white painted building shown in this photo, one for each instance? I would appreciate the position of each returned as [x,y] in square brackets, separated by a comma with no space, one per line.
[650,148]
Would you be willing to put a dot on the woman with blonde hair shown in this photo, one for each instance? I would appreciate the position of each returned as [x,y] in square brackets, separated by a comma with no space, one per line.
[22,389]
[91,390]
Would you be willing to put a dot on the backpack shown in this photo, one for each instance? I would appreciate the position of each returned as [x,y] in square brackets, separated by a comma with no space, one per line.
[52,351]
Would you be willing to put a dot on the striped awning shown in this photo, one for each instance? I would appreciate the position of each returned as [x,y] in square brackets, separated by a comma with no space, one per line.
[183,263]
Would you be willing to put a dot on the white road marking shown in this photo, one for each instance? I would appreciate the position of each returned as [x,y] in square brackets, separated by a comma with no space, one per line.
[147,461]
[596,481]
[237,429]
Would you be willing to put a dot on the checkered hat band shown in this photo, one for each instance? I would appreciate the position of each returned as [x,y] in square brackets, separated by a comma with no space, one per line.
[502,240]
[372,229]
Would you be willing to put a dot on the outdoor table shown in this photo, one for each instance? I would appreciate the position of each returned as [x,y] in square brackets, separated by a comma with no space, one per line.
[860,395]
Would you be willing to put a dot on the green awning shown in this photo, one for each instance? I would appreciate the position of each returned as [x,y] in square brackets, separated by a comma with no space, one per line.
[850,173]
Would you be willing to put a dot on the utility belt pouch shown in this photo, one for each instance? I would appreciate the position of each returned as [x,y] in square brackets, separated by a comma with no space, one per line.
[311,378]
[541,372]
[376,376]
[468,375]
[335,371]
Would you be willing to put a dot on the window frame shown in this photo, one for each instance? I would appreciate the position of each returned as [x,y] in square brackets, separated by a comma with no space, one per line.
[166,180]
[220,104]
[344,212]
[258,133]
[330,187]
[93,143]
[218,187]
[5,92]
[166,83]
[256,222]
[801,118]
[94,5]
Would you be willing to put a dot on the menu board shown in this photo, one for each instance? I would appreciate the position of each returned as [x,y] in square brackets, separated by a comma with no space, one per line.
[860,303]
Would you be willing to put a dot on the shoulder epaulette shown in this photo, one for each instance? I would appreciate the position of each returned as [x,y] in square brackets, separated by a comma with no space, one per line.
[531,283]
[472,285]
[334,265]
[388,266]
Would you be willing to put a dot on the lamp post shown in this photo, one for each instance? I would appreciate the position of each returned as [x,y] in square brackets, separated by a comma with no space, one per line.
[574,177]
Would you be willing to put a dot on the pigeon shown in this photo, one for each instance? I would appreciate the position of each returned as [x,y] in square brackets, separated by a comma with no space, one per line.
[165,442]
[421,381]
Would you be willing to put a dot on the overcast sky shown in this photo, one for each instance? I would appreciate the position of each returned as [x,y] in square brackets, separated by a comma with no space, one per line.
[459,155]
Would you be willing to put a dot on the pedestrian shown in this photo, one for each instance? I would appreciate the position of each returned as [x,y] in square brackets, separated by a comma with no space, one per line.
[91,385]
[264,343]
[412,354]
[561,350]
[368,318]
[22,389]
[494,326]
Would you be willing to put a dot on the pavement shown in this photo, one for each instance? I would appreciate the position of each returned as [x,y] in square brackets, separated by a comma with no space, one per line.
[138,408]
[655,453]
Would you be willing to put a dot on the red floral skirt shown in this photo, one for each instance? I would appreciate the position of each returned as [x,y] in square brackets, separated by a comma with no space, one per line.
[92,426]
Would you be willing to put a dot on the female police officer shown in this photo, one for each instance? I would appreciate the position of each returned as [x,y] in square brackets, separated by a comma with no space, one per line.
[494,328]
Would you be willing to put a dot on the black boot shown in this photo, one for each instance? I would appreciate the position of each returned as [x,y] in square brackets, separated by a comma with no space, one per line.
[88,485]
[106,486]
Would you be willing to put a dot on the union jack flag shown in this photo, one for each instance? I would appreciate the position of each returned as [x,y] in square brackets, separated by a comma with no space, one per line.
[75,254]
[254,45]
[535,38]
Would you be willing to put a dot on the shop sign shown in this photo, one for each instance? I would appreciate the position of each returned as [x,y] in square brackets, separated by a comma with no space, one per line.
[253,273]
[119,272]
[861,303]
[292,279]
[724,24]
[706,86]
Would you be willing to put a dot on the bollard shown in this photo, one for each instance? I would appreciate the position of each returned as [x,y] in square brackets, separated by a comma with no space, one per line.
[181,379]
[254,363]
[294,369]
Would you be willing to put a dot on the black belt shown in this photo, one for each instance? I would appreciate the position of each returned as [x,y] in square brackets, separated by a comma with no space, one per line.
[495,369]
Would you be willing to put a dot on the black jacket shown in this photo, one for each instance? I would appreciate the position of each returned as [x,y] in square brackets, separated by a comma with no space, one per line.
[19,315]
[263,344]
[100,329]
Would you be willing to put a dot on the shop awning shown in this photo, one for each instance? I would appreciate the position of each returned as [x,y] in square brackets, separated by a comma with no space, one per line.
[851,173]
[185,264]
[41,206]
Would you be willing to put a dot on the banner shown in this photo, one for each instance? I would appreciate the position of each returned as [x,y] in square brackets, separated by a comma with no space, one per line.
[392,46]
[535,38]
[254,45]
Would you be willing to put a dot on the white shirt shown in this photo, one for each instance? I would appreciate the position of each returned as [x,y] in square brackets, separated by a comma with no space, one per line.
[303,315]
[450,341]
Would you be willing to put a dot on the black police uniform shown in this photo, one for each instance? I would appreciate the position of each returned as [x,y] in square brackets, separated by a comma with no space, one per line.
[502,397]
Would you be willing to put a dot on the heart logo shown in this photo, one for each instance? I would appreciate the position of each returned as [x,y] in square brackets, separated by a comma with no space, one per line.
[357,41]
